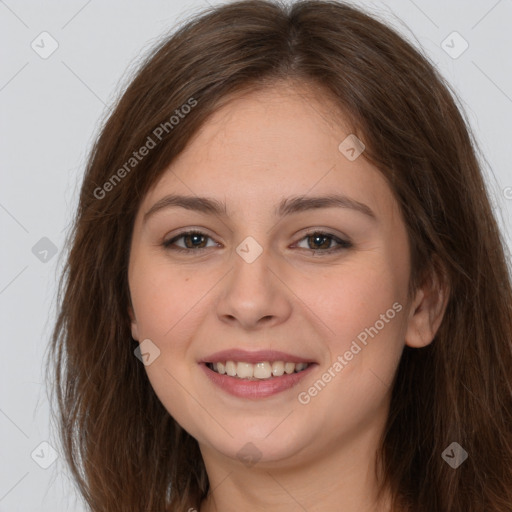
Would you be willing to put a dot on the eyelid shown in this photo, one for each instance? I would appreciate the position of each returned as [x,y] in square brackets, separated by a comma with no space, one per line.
[189,231]
[343,242]
[325,231]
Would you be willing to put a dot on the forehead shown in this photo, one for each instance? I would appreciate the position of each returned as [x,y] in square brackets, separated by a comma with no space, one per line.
[263,145]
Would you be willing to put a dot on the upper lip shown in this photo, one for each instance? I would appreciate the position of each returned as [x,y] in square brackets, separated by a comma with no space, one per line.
[253,357]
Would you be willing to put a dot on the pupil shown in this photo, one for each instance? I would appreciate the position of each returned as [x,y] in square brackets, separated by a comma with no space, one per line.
[195,238]
[316,238]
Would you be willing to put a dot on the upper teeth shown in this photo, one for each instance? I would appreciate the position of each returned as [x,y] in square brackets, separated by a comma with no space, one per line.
[263,370]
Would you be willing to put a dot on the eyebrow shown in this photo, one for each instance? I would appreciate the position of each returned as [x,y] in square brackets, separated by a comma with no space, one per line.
[287,206]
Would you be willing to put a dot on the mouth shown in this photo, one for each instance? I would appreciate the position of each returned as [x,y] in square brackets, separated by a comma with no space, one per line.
[256,381]
[265,370]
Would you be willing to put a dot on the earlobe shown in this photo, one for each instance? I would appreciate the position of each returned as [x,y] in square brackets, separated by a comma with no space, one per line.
[427,312]
[133,320]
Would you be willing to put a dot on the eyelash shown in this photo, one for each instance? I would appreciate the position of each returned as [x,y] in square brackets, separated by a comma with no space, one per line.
[343,244]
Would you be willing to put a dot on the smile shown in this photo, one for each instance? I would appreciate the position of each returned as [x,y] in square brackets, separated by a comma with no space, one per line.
[256,381]
[258,371]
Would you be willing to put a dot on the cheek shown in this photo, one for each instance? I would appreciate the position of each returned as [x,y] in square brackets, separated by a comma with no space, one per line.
[164,299]
[365,313]
[355,299]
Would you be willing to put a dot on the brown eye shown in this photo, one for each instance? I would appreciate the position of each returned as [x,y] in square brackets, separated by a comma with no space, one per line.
[193,240]
[318,241]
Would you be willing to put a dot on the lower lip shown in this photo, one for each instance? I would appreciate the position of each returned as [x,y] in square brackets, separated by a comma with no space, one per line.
[256,388]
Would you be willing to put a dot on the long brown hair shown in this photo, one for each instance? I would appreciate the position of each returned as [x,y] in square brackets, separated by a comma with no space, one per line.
[125,451]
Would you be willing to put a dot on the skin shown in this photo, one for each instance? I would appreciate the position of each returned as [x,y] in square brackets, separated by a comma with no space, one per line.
[254,151]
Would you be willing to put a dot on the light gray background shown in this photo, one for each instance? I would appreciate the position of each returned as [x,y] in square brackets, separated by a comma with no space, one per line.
[50,113]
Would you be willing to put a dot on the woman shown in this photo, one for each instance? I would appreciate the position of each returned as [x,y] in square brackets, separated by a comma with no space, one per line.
[286,289]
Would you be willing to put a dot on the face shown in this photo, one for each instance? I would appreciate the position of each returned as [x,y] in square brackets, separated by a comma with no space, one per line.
[325,284]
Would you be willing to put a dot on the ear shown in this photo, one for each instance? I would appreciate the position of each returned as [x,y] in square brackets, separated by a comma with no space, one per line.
[427,309]
[133,320]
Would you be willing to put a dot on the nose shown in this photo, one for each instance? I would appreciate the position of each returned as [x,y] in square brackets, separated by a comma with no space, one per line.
[255,293]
